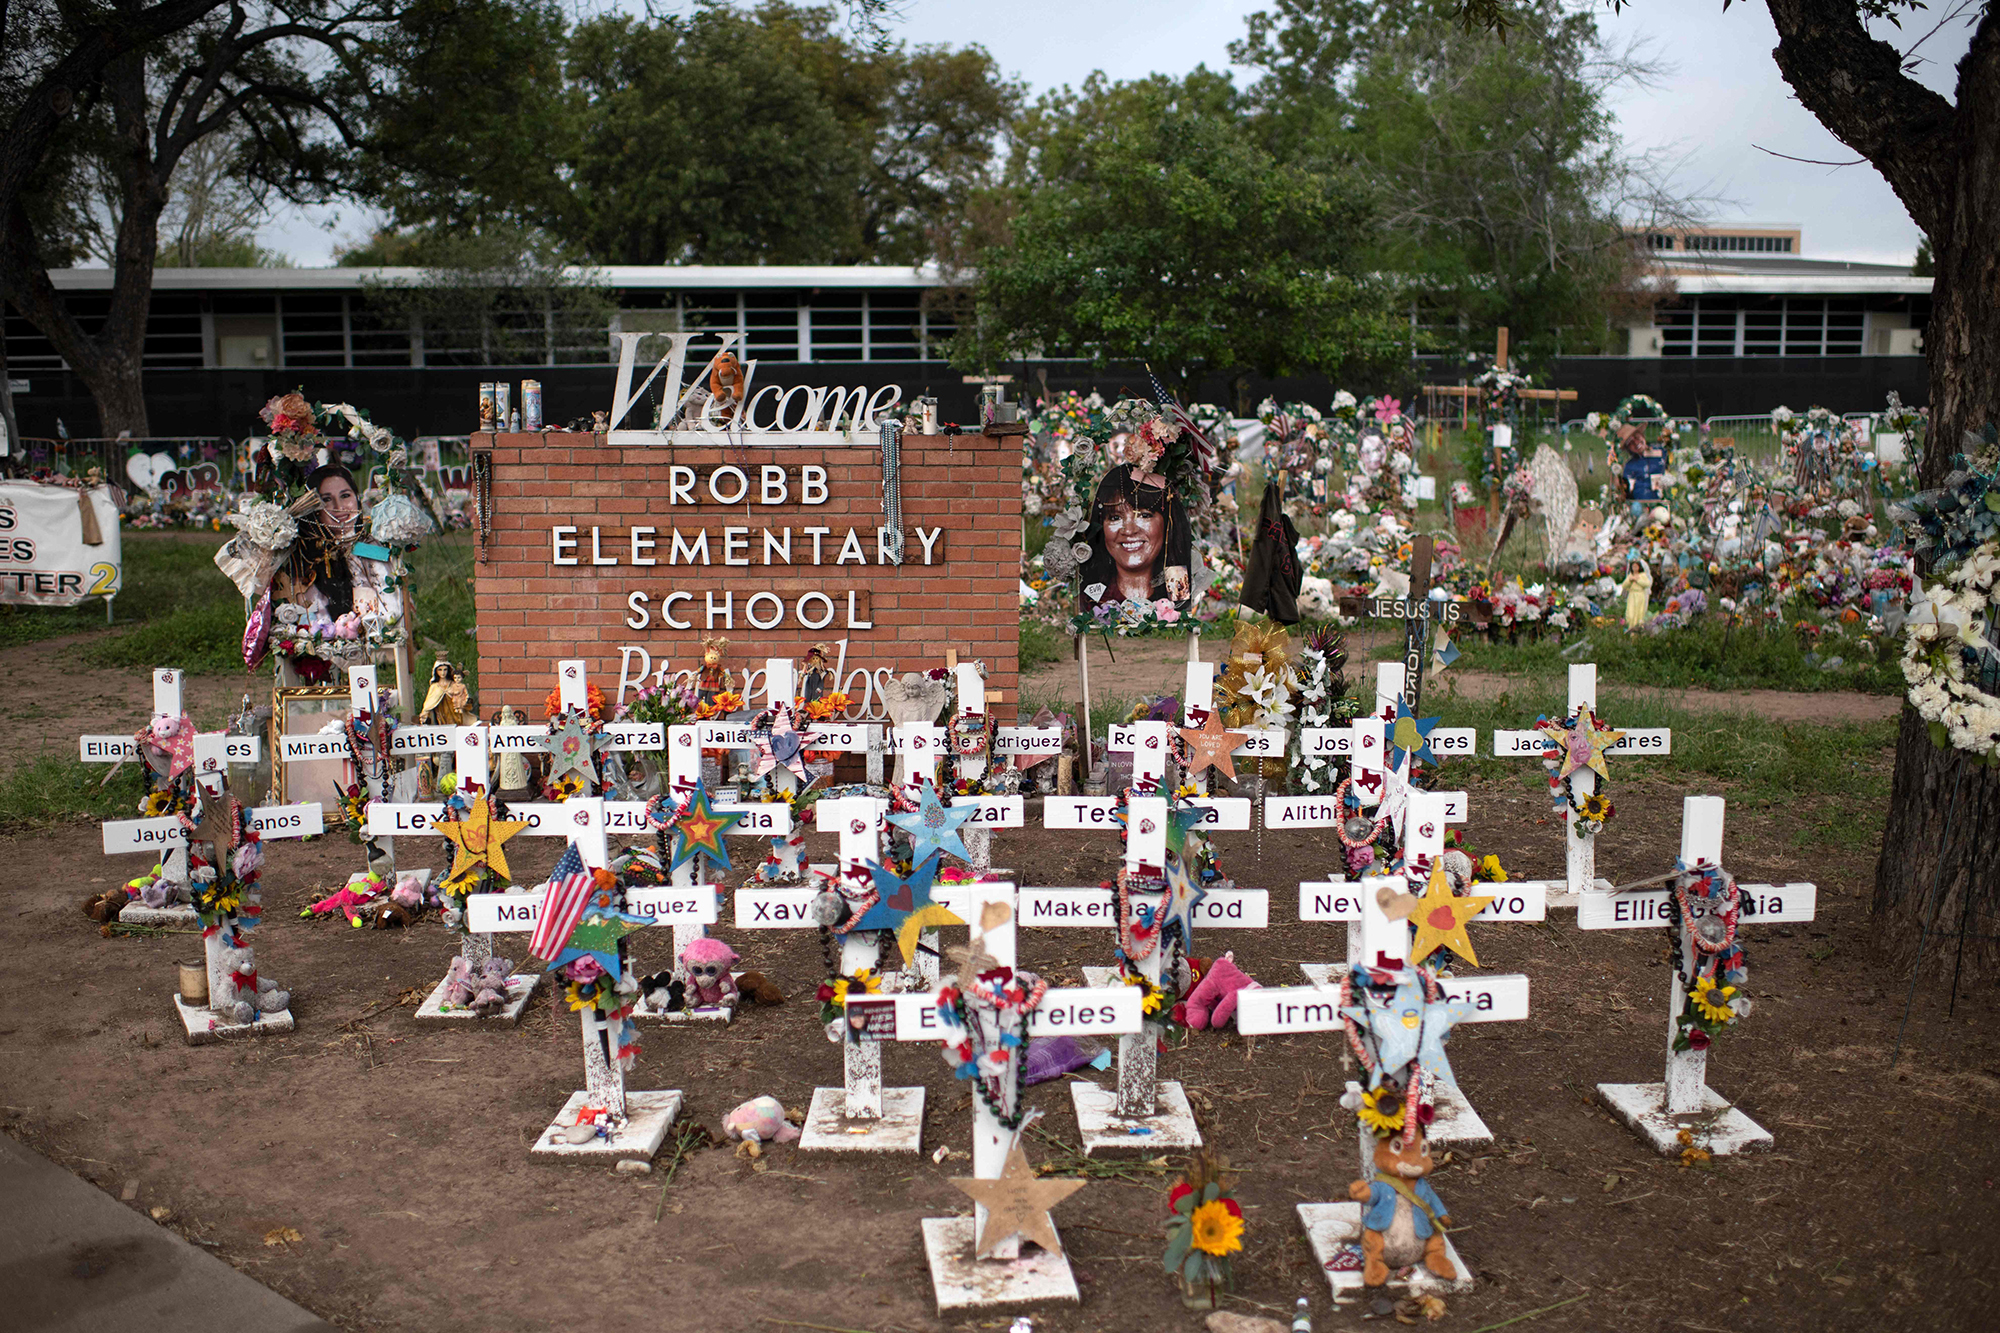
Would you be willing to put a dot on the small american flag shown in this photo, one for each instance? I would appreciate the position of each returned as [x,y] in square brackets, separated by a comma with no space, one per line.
[562,907]
[1204,448]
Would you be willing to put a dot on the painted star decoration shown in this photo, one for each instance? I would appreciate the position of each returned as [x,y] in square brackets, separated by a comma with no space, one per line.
[904,905]
[480,839]
[1210,745]
[1581,746]
[782,748]
[700,829]
[1410,736]
[1440,919]
[1440,1017]
[570,751]
[934,826]
[1395,1021]
[597,934]
[218,823]
[1017,1204]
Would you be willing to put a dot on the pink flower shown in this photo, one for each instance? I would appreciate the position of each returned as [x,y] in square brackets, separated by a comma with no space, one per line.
[1387,410]
[348,626]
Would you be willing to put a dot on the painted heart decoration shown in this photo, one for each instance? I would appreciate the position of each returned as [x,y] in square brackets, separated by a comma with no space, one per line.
[146,470]
[785,746]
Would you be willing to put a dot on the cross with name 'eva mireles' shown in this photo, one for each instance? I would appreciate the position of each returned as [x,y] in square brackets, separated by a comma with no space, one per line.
[983,1018]
[1703,908]
[1573,749]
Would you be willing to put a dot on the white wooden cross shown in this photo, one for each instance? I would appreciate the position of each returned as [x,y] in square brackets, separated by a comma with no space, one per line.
[959,1279]
[1332,1228]
[1659,1112]
[1580,854]
[214,752]
[637,1121]
[1340,899]
[1145,1112]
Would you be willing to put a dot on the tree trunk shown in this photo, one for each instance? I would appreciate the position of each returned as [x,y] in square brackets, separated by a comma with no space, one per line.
[109,362]
[1937,883]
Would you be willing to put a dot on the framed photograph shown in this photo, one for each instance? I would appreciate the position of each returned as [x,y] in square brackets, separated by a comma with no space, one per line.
[1140,548]
[305,711]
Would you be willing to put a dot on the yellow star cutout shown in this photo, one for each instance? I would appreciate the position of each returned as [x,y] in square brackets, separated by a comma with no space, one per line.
[478,838]
[1440,919]
[1581,746]
[1209,746]
[1018,1203]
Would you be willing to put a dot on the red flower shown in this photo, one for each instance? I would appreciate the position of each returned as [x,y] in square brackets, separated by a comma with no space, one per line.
[825,992]
[1230,1204]
[1697,1039]
[1180,1013]
[1177,1193]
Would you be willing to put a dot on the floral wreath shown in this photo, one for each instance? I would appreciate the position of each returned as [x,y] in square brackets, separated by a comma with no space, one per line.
[1949,656]
[1705,907]
[1592,812]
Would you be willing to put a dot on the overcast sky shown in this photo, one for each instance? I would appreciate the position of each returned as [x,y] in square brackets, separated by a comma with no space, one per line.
[1722,102]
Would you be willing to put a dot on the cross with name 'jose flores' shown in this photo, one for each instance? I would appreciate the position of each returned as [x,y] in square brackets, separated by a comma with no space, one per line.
[1577,746]
[1703,908]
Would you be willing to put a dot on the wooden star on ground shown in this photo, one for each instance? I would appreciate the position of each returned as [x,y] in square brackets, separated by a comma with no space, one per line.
[1210,745]
[1581,746]
[1440,919]
[480,839]
[1017,1204]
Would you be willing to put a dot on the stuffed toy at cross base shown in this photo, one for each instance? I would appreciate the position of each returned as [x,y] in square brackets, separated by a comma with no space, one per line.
[664,992]
[402,907]
[759,1121]
[349,899]
[756,988]
[491,983]
[706,962]
[461,985]
[1403,1221]
[243,994]
[1212,1002]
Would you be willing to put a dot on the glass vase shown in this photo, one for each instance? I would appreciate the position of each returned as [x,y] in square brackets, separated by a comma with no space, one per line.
[1203,1295]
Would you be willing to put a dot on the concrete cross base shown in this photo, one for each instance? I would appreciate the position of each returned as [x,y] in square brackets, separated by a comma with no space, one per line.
[962,1282]
[648,1116]
[1171,1126]
[204,1026]
[900,1128]
[1718,1127]
[520,989]
[1334,1232]
[138,914]
[1100,976]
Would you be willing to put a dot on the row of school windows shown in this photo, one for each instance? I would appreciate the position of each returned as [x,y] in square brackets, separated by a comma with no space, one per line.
[337,329]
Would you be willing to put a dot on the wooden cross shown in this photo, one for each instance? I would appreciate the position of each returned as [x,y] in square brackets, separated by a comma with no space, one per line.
[1580,854]
[1008,1278]
[214,752]
[1660,1112]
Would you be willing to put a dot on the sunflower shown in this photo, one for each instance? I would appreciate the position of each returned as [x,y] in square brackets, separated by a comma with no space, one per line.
[1382,1111]
[864,982]
[156,804]
[1152,998]
[1216,1229]
[569,787]
[1713,1002]
[1596,807]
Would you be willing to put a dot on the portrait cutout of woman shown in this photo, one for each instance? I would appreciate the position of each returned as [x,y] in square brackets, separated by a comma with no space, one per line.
[323,572]
[1140,549]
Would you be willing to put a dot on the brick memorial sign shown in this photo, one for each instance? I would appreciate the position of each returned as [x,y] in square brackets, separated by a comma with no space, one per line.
[628,554]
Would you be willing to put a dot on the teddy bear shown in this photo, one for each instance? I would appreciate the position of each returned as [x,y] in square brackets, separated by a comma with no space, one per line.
[664,992]
[757,988]
[756,1122]
[1403,1221]
[460,984]
[242,994]
[705,963]
[491,986]
[403,906]
[1212,1002]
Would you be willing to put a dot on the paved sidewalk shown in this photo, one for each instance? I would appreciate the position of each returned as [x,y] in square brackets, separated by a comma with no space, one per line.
[75,1260]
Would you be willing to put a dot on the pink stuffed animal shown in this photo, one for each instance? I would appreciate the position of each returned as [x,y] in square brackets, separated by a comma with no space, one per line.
[709,984]
[1212,1003]
[759,1121]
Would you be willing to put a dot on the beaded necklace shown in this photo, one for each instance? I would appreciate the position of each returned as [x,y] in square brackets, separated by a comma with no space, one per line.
[1018,993]
[1375,827]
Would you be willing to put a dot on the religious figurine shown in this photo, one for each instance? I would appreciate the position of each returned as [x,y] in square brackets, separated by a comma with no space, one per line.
[1637,587]
[517,782]
[815,673]
[715,678]
[445,702]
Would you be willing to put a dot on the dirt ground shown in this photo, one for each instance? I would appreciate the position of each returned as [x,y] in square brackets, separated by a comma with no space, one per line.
[1148,666]
[399,1153]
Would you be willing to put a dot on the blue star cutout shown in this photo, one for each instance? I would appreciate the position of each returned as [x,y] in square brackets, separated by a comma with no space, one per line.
[905,905]
[1396,1023]
[933,826]
[1440,1017]
[1410,736]
[700,830]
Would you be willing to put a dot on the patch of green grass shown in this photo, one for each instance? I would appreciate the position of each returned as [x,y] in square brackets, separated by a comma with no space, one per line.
[1707,655]
[1744,757]
[1041,644]
[441,574]
[201,638]
[56,789]
[163,572]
